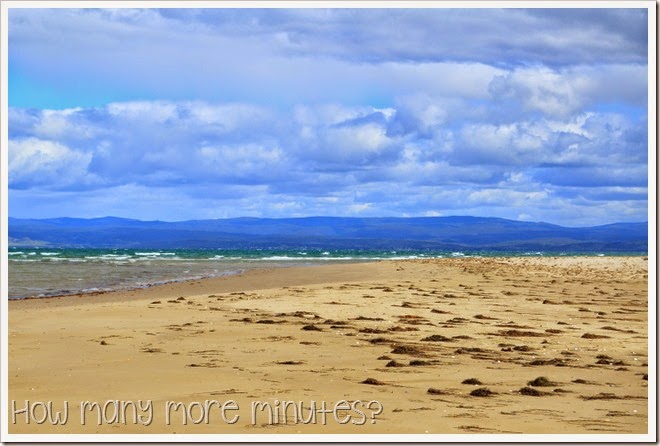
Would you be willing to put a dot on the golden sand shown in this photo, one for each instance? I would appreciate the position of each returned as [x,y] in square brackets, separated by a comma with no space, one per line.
[545,345]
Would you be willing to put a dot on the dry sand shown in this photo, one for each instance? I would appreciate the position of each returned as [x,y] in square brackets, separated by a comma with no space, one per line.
[403,333]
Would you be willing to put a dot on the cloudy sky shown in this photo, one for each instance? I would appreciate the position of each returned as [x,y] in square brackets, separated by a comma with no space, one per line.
[176,114]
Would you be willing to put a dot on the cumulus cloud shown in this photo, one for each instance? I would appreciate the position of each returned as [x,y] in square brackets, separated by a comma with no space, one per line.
[560,93]
[326,159]
[583,140]
[189,113]
[35,162]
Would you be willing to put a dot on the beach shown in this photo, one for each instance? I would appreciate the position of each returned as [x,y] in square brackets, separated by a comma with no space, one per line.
[533,345]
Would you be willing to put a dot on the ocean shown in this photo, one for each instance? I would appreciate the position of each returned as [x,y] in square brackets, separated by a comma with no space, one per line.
[43,272]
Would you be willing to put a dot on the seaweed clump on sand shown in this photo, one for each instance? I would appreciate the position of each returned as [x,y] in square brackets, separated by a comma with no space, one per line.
[532,392]
[394,363]
[380,340]
[372,331]
[407,350]
[420,362]
[519,333]
[434,391]
[482,392]
[594,336]
[582,381]
[555,361]
[542,381]
[311,327]
[373,382]
[437,338]
[472,381]
[522,348]
[611,396]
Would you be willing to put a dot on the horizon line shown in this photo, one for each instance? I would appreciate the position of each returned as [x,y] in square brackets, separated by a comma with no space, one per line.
[324,216]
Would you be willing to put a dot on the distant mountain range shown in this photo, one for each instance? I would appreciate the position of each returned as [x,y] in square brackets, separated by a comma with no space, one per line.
[451,233]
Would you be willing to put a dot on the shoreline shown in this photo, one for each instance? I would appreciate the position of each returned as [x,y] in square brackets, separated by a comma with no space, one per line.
[232,268]
[123,289]
[54,277]
[242,281]
[241,272]
[408,334]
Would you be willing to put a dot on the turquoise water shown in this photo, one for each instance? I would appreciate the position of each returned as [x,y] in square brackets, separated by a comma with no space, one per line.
[40,272]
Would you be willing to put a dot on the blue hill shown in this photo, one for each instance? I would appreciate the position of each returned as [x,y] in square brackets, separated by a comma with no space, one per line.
[329,232]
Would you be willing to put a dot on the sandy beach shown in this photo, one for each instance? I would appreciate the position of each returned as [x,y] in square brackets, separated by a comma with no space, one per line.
[443,346]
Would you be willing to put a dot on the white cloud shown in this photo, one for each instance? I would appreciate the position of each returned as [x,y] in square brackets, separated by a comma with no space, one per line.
[227,117]
[360,144]
[234,159]
[519,143]
[34,162]
[559,93]
[150,111]
[57,124]
[248,162]
[279,112]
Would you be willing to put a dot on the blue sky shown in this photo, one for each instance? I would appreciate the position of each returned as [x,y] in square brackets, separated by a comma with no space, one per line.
[176,114]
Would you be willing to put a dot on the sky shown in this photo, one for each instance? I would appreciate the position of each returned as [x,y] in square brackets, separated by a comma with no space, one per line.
[179,114]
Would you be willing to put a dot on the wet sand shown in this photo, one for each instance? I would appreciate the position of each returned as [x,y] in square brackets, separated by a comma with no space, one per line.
[447,346]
